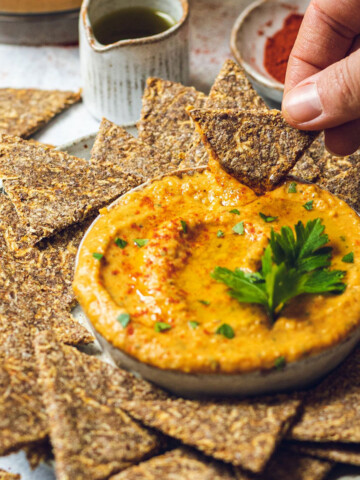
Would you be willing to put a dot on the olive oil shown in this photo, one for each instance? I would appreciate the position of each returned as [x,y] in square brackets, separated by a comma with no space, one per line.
[131,22]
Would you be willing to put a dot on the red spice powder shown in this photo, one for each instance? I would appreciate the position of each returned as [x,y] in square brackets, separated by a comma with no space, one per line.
[279,46]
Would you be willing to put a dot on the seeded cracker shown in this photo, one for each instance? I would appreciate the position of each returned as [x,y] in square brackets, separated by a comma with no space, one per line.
[331,410]
[179,464]
[164,123]
[8,476]
[51,189]
[119,152]
[92,437]
[337,452]
[24,111]
[258,148]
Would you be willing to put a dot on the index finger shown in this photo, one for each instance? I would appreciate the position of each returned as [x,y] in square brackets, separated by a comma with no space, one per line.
[326,35]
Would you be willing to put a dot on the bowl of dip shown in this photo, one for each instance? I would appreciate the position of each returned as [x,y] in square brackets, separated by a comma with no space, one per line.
[144,280]
[261,40]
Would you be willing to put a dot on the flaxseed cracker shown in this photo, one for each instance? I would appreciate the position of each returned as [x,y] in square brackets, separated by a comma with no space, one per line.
[242,432]
[91,435]
[336,452]
[164,123]
[179,464]
[331,410]
[286,465]
[37,453]
[9,476]
[51,189]
[119,152]
[258,148]
[24,111]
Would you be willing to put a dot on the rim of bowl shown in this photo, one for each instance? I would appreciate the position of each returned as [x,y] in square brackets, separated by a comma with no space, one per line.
[99,47]
[256,76]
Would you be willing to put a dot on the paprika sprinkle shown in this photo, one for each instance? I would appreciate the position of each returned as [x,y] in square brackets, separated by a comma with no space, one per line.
[279,46]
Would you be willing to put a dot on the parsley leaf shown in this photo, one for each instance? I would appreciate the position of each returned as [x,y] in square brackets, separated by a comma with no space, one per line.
[292,264]
[162,327]
[193,324]
[308,205]
[226,331]
[97,256]
[121,243]
[239,228]
[348,258]
[205,302]
[280,363]
[292,187]
[220,234]
[235,211]
[141,242]
[184,226]
[124,319]
[267,218]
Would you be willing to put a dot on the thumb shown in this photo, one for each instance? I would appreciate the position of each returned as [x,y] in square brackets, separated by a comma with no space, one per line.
[327,99]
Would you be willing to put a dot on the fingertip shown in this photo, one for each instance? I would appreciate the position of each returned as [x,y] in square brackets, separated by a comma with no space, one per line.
[343,140]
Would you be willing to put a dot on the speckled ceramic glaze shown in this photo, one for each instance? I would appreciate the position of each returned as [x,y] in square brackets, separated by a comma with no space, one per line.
[256,23]
[114,75]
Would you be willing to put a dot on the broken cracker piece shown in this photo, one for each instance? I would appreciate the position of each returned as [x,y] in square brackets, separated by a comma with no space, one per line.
[331,410]
[8,476]
[91,435]
[24,111]
[348,453]
[257,148]
[179,464]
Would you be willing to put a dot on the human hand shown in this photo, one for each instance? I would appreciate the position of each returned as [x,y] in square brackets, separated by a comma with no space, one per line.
[322,86]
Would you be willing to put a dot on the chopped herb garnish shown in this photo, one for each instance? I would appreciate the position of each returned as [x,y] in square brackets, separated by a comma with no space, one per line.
[267,218]
[239,228]
[120,242]
[348,258]
[158,205]
[280,363]
[308,205]
[226,331]
[141,242]
[184,226]
[292,264]
[220,234]
[235,211]
[98,256]
[193,324]
[342,238]
[162,327]
[292,187]
[124,319]
[204,302]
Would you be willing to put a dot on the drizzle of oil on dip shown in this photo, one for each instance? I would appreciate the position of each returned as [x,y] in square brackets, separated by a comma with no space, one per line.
[132,22]
[162,273]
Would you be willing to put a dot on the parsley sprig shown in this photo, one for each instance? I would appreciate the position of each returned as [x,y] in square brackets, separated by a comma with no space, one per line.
[292,264]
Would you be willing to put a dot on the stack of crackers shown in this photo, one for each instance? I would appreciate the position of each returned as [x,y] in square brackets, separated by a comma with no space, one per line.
[102,422]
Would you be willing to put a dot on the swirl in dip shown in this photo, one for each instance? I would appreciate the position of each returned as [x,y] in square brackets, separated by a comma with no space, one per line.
[163,274]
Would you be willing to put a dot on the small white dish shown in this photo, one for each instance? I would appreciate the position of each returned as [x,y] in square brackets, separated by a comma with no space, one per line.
[261,20]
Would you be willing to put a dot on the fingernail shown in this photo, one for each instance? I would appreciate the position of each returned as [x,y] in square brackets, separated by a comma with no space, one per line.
[303,104]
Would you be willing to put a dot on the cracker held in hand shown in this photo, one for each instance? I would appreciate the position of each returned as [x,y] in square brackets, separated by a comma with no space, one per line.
[24,111]
[336,452]
[51,189]
[331,411]
[244,432]
[258,148]
[92,436]
[179,464]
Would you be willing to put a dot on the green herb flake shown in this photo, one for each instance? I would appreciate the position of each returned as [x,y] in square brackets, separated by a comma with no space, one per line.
[235,211]
[279,363]
[267,218]
[239,228]
[292,187]
[162,327]
[193,324]
[308,205]
[342,238]
[141,242]
[120,242]
[204,302]
[97,255]
[220,234]
[124,319]
[226,331]
[348,258]
[184,226]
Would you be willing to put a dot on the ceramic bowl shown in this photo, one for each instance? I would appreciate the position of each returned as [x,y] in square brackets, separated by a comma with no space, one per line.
[295,375]
[256,23]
